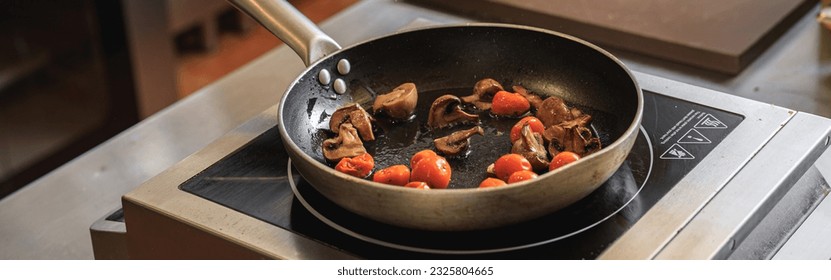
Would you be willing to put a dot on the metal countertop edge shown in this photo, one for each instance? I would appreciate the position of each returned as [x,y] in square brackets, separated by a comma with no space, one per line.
[678,207]
[161,194]
[811,240]
[727,219]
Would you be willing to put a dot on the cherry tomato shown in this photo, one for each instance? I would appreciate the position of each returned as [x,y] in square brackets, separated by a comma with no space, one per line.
[561,159]
[491,182]
[418,185]
[435,171]
[420,155]
[398,175]
[358,166]
[522,175]
[535,123]
[509,104]
[508,164]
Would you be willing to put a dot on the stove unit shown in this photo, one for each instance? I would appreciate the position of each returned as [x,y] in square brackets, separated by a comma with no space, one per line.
[256,177]
[711,176]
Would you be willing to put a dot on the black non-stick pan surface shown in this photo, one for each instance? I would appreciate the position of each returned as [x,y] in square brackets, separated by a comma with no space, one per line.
[452,60]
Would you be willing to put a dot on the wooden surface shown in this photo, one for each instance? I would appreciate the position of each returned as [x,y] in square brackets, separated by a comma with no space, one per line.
[720,35]
[196,70]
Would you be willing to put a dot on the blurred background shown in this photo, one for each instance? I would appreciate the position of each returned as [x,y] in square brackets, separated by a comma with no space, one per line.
[74,73]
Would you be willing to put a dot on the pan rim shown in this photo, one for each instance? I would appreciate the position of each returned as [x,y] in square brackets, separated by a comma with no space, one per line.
[632,129]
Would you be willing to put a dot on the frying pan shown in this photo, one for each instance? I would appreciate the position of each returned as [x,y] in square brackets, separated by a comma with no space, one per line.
[445,58]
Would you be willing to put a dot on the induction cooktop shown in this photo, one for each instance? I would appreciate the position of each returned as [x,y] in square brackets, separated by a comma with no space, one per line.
[698,183]
[675,135]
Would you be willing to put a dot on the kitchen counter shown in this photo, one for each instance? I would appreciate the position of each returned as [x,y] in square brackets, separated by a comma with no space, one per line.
[50,218]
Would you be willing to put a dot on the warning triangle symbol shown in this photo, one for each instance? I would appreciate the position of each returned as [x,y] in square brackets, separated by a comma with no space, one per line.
[694,137]
[709,121]
[677,152]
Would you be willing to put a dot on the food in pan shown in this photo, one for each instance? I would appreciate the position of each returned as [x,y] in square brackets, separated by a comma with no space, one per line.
[483,93]
[346,144]
[534,100]
[566,128]
[435,171]
[508,164]
[398,175]
[509,104]
[359,166]
[562,159]
[357,116]
[421,155]
[530,146]
[417,185]
[535,124]
[446,111]
[548,135]
[491,182]
[520,176]
[457,142]
[400,103]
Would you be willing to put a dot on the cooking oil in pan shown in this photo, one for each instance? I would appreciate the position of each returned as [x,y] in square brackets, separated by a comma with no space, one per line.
[397,141]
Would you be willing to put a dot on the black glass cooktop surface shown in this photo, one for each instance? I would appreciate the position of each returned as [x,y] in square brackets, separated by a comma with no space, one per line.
[675,136]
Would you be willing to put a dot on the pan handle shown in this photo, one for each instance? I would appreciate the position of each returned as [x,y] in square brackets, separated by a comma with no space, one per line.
[291,26]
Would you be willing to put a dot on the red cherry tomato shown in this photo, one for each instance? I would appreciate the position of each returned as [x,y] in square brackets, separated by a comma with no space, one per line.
[535,123]
[435,171]
[491,182]
[561,159]
[520,176]
[398,175]
[509,104]
[508,164]
[420,155]
[358,166]
[418,185]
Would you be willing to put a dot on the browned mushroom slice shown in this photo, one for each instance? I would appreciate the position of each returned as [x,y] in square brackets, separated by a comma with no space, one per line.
[553,111]
[483,93]
[568,136]
[579,119]
[535,100]
[530,146]
[446,112]
[357,116]
[457,142]
[346,144]
[576,113]
[399,104]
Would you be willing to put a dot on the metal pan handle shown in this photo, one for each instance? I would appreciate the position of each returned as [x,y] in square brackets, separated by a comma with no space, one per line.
[291,26]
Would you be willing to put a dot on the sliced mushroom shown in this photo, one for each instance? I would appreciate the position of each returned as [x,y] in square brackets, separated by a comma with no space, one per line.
[399,104]
[357,116]
[553,111]
[457,142]
[346,144]
[568,136]
[535,100]
[483,93]
[446,112]
[530,146]
[578,119]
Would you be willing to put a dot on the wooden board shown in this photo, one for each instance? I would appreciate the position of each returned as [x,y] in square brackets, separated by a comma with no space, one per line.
[720,35]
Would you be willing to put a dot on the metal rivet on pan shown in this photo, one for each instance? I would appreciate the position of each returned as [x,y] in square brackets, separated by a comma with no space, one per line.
[340,86]
[324,77]
[344,67]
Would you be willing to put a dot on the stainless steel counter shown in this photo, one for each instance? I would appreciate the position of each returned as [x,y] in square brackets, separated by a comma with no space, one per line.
[50,218]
